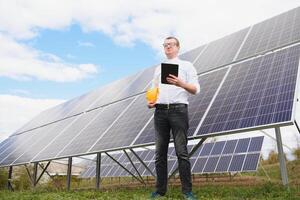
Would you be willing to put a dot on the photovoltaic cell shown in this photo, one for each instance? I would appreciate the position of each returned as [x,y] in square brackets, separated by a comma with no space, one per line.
[251,162]
[197,105]
[192,54]
[97,127]
[255,144]
[223,163]
[272,33]
[40,142]
[66,136]
[257,92]
[237,163]
[211,164]
[128,126]
[220,52]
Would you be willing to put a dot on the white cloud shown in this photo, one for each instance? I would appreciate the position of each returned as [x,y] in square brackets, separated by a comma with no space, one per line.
[15,111]
[21,62]
[85,44]
[126,22]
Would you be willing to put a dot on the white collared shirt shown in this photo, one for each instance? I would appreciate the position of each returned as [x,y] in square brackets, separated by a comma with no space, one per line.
[173,94]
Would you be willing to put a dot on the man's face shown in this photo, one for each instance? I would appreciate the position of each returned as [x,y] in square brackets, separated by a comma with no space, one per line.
[171,48]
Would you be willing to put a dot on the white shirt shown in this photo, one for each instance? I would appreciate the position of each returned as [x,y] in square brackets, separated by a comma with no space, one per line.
[173,94]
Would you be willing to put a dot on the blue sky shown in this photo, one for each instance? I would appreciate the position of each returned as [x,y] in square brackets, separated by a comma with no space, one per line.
[75,46]
[52,51]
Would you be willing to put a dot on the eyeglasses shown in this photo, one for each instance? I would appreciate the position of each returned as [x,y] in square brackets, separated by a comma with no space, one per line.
[171,44]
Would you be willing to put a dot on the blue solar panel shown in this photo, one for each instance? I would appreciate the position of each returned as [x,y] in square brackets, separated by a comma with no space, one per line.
[242,145]
[223,163]
[211,164]
[251,162]
[206,149]
[88,136]
[122,133]
[237,163]
[197,105]
[257,92]
[255,144]
[230,147]
[199,165]
[272,33]
[218,148]
[192,54]
[220,52]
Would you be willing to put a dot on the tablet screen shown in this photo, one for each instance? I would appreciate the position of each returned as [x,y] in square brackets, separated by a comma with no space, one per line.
[166,69]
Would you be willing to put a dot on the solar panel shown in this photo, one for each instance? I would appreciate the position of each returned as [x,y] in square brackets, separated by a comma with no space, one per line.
[122,133]
[257,92]
[251,162]
[197,105]
[18,144]
[42,140]
[220,52]
[84,140]
[192,54]
[229,156]
[53,148]
[272,33]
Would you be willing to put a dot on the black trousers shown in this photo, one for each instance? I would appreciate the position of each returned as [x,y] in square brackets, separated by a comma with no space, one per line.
[175,119]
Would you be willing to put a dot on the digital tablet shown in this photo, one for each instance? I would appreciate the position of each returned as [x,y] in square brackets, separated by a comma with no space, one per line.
[166,69]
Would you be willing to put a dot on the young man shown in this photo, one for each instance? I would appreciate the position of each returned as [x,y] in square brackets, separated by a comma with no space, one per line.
[171,113]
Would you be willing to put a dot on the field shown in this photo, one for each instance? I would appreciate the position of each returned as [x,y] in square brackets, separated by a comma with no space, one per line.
[246,186]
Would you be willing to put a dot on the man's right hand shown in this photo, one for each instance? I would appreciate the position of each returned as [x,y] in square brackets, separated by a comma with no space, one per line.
[151,104]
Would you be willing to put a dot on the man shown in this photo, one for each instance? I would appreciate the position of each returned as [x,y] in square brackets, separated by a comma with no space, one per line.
[171,113]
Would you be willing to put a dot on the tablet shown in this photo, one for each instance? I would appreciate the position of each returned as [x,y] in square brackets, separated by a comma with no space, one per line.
[166,69]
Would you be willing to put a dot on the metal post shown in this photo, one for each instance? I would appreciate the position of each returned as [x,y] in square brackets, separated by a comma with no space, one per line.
[9,185]
[297,126]
[283,169]
[42,173]
[69,173]
[34,177]
[98,171]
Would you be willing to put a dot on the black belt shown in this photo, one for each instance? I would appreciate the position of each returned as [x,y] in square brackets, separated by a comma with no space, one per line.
[170,106]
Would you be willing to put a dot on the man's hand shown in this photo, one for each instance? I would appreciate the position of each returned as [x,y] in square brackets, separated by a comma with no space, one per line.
[151,104]
[178,82]
[175,80]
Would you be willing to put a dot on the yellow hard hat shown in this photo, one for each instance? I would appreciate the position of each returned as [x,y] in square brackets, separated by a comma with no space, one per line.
[152,94]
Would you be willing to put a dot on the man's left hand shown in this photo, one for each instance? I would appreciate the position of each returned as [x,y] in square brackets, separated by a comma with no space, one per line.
[175,80]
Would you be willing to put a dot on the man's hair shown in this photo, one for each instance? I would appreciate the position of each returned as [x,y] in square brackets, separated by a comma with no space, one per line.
[172,37]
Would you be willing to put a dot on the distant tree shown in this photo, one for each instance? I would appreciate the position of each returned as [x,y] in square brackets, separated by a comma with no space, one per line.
[272,158]
[296,153]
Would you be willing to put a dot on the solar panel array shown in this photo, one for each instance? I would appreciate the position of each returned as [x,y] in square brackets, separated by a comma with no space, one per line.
[240,155]
[237,94]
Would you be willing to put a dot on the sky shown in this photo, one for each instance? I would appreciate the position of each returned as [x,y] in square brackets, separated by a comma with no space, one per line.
[52,51]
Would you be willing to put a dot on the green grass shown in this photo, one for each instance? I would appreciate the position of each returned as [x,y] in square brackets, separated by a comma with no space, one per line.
[247,186]
[267,191]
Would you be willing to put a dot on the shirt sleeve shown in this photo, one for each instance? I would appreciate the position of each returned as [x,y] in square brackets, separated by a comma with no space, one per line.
[193,78]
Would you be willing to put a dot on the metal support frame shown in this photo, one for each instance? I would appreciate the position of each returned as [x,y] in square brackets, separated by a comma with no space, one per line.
[123,167]
[34,175]
[98,171]
[134,167]
[283,169]
[29,174]
[9,185]
[45,170]
[69,173]
[297,126]
[42,173]
[142,162]
[195,148]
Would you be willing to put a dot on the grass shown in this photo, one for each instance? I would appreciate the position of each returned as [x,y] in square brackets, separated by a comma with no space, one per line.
[267,191]
[247,186]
